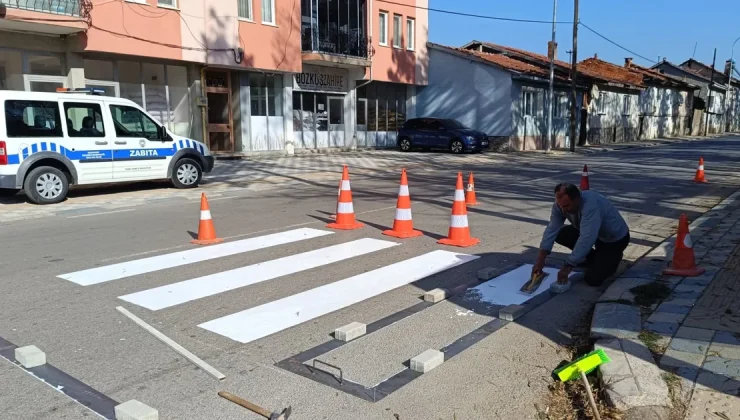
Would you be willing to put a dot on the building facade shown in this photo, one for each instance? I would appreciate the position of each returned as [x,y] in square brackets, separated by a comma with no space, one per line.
[246,76]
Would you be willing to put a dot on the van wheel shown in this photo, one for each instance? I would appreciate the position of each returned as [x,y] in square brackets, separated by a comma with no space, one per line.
[187,173]
[8,192]
[46,185]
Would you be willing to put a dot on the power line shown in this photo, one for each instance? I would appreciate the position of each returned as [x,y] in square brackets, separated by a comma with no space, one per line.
[450,12]
[615,44]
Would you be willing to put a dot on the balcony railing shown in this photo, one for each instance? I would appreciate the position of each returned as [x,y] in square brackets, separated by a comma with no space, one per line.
[57,7]
[334,41]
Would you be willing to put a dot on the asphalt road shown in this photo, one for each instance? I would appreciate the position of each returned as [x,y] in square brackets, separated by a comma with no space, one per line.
[502,376]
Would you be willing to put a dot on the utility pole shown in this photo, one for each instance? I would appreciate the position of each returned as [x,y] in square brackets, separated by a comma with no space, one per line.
[573,72]
[709,95]
[728,102]
[551,95]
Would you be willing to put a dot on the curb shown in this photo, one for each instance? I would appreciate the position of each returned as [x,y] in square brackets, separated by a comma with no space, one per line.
[633,379]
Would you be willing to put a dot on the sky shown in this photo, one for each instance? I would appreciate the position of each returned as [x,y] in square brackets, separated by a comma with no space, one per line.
[651,28]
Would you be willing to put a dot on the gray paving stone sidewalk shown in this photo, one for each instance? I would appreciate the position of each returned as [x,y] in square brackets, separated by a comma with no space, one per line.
[675,341]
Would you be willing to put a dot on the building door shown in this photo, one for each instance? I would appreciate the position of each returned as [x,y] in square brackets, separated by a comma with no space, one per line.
[336,121]
[220,120]
[361,122]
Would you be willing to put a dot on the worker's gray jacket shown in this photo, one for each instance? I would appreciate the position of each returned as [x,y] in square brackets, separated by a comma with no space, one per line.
[596,219]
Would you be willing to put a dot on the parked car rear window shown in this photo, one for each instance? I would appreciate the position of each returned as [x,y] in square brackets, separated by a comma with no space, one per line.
[32,119]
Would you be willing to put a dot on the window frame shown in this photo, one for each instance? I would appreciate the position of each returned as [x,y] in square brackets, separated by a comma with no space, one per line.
[272,12]
[627,105]
[82,105]
[58,129]
[410,33]
[174,4]
[528,103]
[398,37]
[383,28]
[249,10]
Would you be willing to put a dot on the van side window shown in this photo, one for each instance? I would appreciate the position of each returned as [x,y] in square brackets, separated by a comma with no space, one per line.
[32,119]
[130,122]
[84,119]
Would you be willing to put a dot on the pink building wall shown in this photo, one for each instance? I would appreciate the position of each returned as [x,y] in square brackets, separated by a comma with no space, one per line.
[273,47]
[393,64]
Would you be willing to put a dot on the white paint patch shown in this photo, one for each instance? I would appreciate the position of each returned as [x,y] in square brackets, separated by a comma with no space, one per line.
[504,289]
[188,290]
[261,321]
[100,214]
[161,262]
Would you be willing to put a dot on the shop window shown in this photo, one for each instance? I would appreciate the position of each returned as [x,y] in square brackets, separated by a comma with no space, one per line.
[32,119]
[275,96]
[266,95]
[177,83]
[46,65]
[129,77]
[84,120]
[99,70]
[155,91]
[297,118]
[11,70]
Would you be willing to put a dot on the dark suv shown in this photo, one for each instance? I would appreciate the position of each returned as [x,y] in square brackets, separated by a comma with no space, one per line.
[436,133]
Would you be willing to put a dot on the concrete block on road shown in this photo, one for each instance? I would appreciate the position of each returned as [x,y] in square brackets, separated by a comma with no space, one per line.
[30,356]
[427,361]
[560,288]
[615,320]
[487,273]
[436,295]
[135,410]
[350,331]
[512,312]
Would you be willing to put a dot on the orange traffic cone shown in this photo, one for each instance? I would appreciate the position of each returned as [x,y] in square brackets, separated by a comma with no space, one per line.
[584,178]
[699,177]
[459,233]
[403,225]
[470,199]
[683,263]
[339,191]
[206,230]
[345,211]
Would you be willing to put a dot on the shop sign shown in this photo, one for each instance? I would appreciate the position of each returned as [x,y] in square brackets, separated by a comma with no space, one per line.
[321,79]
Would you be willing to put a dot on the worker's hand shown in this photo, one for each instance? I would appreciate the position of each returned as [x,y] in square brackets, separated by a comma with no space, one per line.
[538,265]
[564,273]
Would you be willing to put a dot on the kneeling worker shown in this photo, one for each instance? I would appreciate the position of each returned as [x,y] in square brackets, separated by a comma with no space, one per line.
[594,221]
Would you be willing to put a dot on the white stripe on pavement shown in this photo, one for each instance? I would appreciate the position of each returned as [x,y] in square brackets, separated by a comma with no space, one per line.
[185,291]
[261,321]
[175,259]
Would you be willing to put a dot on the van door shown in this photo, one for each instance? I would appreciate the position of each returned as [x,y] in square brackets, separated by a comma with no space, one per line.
[88,141]
[138,153]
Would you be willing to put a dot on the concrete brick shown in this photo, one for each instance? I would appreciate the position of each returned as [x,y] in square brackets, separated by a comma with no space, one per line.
[350,331]
[722,366]
[30,356]
[614,320]
[487,273]
[689,346]
[727,338]
[512,312]
[717,383]
[695,333]
[427,361]
[680,302]
[560,288]
[436,295]
[666,317]
[673,309]
[135,410]
[681,359]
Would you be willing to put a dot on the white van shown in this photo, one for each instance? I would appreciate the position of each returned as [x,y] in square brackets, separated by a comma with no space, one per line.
[49,141]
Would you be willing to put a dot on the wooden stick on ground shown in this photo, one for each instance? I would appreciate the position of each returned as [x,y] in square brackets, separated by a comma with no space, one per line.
[590,396]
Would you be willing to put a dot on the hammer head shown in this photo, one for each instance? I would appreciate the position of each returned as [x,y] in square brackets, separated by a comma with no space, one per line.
[282,416]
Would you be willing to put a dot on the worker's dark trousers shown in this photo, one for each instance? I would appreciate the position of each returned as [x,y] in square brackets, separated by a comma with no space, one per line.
[602,261]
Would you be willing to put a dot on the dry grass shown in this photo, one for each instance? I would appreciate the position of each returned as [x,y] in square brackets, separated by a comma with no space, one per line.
[569,400]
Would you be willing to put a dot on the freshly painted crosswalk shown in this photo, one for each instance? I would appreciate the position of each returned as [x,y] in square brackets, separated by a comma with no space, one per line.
[162,262]
[198,288]
[250,324]
[255,323]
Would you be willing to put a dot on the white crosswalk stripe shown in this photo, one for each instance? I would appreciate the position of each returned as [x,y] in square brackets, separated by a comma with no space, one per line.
[249,324]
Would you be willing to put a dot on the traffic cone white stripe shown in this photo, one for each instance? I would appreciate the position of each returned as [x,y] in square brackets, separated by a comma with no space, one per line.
[585,174]
[345,208]
[403,214]
[459,195]
[459,221]
[205,215]
[687,241]
[701,167]
[403,190]
[345,186]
